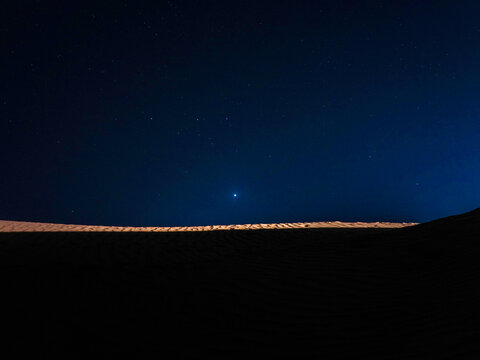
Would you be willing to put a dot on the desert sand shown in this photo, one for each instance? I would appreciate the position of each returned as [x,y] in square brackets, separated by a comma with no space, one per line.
[17,226]
[329,293]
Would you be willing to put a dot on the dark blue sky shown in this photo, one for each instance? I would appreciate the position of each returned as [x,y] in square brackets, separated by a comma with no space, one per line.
[129,113]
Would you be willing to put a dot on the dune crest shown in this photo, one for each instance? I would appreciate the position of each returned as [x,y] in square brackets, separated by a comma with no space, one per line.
[24,226]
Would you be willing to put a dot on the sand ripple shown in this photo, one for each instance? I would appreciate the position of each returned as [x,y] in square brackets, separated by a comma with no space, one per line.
[24,226]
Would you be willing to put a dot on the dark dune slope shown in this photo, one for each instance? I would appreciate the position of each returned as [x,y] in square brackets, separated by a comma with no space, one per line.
[343,293]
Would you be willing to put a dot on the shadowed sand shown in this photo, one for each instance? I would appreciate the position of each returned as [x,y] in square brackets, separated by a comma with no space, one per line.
[14,226]
[324,293]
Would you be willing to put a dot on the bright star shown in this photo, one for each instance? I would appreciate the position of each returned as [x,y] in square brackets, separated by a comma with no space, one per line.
[235,195]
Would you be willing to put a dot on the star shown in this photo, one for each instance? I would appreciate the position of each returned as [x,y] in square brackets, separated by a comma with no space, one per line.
[235,195]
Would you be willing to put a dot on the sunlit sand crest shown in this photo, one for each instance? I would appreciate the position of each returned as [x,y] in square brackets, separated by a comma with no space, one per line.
[23,226]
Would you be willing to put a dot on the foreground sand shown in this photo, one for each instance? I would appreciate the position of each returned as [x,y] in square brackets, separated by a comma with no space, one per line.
[13,226]
[322,293]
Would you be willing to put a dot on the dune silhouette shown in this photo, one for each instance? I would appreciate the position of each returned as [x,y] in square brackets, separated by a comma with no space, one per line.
[379,293]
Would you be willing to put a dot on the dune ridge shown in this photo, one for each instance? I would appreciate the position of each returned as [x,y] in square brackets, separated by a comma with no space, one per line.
[25,226]
[332,293]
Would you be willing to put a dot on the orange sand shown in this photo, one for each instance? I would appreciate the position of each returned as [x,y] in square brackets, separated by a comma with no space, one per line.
[23,226]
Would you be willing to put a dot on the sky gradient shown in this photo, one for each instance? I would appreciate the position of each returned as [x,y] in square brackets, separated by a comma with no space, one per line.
[182,113]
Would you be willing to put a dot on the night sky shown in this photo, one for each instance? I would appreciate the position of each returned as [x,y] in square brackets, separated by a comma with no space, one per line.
[227,112]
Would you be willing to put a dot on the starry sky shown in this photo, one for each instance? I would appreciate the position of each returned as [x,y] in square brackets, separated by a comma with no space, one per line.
[175,113]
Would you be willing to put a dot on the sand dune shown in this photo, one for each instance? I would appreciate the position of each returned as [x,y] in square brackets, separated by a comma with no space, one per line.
[21,226]
[293,293]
